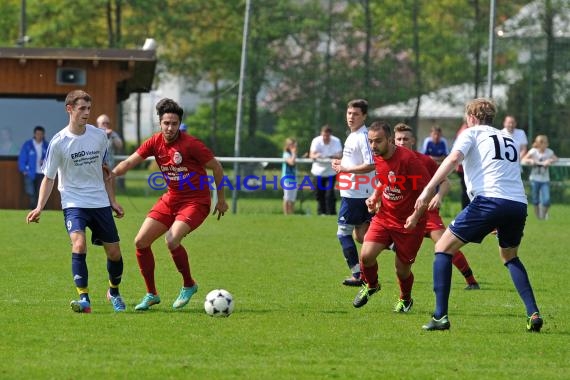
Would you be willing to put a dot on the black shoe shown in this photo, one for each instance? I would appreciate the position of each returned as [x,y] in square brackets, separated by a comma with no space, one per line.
[474,286]
[437,324]
[534,323]
[353,281]
[361,298]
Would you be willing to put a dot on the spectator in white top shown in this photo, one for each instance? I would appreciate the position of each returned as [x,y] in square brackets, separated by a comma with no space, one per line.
[323,148]
[540,156]
[510,126]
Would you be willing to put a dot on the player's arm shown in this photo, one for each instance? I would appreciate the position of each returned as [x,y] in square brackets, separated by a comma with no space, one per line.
[124,166]
[357,169]
[46,188]
[446,167]
[110,188]
[218,172]
[442,191]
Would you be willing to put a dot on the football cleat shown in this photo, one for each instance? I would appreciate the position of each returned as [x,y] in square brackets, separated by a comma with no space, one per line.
[364,293]
[437,324]
[184,296]
[473,286]
[534,322]
[81,306]
[352,281]
[403,306]
[148,300]
[116,301]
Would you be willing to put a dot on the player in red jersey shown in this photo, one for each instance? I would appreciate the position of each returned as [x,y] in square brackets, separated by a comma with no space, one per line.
[404,136]
[183,161]
[400,182]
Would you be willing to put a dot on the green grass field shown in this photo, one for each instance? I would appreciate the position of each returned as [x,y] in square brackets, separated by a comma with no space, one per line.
[293,318]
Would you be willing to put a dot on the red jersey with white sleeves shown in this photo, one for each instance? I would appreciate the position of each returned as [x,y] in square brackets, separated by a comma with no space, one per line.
[182,164]
[402,178]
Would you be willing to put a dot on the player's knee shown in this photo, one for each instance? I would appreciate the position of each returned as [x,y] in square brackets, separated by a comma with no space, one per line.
[172,241]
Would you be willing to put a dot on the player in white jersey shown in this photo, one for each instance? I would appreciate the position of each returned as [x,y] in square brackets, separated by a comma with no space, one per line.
[492,173]
[77,155]
[355,173]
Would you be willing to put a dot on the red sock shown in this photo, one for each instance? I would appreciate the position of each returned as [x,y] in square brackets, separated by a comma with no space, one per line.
[406,287]
[180,258]
[145,259]
[370,274]
[460,262]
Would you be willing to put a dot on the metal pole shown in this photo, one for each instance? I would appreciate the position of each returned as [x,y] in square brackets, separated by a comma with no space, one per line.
[491,52]
[22,39]
[240,100]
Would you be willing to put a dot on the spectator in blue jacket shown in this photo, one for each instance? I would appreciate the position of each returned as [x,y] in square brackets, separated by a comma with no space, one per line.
[30,163]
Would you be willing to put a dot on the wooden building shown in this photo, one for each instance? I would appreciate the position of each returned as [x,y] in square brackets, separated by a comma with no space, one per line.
[29,75]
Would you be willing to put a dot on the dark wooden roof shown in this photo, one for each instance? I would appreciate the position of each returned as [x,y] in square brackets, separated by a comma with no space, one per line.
[143,62]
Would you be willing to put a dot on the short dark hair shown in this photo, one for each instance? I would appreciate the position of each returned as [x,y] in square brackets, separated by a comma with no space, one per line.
[76,95]
[39,128]
[326,129]
[167,105]
[381,125]
[359,103]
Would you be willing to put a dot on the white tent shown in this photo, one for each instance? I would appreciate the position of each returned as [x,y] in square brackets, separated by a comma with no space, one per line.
[445,103]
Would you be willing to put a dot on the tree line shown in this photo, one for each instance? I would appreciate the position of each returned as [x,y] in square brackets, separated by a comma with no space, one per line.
[307,58]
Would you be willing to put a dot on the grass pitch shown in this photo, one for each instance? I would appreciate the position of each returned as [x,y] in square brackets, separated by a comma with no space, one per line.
[293,319]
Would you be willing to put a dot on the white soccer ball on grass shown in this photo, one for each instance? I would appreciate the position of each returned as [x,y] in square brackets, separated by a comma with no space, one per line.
[219,303]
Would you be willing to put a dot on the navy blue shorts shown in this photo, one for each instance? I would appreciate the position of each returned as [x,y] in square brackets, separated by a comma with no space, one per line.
[353,211]
[483,215]
[99,220]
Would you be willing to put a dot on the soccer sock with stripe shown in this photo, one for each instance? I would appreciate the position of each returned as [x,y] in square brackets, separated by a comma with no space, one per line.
[180,257]
[145,259]
[522,284]
[115,270]
[80,274]
[441,283]
[350,252]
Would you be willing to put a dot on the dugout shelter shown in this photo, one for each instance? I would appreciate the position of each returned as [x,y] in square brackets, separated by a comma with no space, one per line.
[33,86]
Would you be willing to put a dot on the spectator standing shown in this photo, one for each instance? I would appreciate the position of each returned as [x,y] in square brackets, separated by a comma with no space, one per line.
[30,161]
[323,147]
[521,141]
[7,146]
[540,156]
[435,145]
[289,175]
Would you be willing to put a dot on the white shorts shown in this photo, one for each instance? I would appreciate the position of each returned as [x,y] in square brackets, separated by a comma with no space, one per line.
[290,195]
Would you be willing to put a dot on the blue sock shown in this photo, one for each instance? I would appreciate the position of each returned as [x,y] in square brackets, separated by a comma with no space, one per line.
[349,250]
[442,267]
[522,283]
[115,269]
[80,274]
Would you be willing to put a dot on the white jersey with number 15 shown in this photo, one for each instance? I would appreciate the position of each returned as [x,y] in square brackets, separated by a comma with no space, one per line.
[491,163]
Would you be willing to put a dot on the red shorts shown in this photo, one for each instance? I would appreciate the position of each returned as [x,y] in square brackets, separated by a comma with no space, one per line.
[434,222]
[167,211]
[407,242]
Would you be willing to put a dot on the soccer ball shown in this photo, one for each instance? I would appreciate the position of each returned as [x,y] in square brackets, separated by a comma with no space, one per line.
[219,303]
